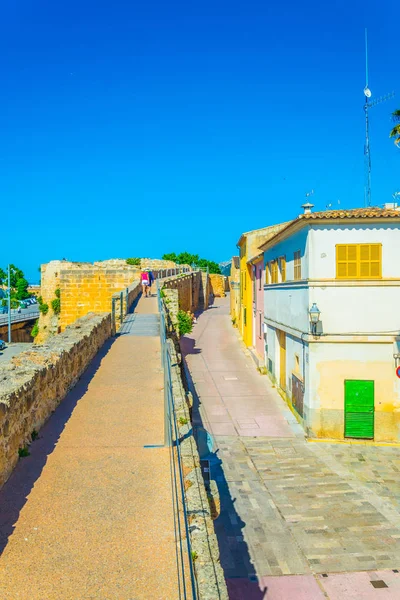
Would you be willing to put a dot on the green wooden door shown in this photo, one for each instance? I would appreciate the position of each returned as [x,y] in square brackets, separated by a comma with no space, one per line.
[359,408]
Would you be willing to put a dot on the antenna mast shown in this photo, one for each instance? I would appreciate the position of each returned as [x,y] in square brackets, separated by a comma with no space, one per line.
[367,106]
[367,151]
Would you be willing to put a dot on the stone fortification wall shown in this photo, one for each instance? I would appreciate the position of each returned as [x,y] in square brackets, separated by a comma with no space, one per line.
[218,285]
[188,292]
[187,286]
[90,289]
[87,287]
[35,382]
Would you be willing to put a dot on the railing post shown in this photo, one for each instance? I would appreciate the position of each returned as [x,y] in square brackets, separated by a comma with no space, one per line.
[113,315]
[121,301]
[165,362]
[127,300]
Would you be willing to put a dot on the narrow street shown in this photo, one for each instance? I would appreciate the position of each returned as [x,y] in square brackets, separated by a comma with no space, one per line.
[298,520]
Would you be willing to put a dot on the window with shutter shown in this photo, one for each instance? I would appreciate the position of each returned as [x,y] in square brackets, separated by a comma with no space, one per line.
[282,267]
[297,265]
[274,271]
[359,261]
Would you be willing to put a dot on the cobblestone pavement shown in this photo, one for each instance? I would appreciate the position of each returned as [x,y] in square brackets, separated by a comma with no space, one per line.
[298,519]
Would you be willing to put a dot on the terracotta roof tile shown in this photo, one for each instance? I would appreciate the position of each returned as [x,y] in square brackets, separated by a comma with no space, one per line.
[372,212]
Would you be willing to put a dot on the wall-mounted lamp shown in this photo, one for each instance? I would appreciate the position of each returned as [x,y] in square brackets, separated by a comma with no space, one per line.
[314,313]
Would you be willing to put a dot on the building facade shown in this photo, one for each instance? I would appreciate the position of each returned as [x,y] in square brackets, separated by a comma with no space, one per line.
[234,288]
[248,246]
[337,374]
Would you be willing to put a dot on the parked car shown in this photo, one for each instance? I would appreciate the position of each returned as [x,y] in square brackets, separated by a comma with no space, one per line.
[2,345]
[23,304]
[3,310]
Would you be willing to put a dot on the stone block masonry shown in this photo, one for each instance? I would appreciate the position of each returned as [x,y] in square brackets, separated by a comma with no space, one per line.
[218,284]
[35,382]
[87,287]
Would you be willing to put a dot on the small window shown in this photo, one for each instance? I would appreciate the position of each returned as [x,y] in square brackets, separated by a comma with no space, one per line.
[282,267]
[358,261]
[296,363]
[260,325]
[245,316]
[260,278]
[297,265]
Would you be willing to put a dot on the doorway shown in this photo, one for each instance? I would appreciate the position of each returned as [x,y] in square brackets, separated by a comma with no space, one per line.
[359,402]
[282,359]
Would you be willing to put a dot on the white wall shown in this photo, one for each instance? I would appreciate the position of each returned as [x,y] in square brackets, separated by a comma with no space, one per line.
[346,307]
[355,307]
[288,303]
[298,241]
[271,354]
[323,238]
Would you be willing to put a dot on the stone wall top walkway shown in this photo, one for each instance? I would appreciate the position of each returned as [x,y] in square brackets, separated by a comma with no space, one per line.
[88,515]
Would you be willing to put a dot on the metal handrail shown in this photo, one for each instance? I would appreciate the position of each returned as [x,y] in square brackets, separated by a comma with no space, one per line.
[171,439]
[18,317]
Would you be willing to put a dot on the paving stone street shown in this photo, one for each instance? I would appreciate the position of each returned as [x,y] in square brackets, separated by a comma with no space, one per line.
[298,519]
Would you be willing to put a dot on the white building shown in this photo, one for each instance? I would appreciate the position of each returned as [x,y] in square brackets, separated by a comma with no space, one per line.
[339,374]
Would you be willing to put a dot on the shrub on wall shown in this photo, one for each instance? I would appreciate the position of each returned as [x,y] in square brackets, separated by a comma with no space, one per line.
[135,262]
[43,307]
[56,303]
[185,323]
[35,329]
[56,306]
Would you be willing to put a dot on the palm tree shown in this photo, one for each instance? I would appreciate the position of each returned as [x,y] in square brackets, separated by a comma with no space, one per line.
[396,129]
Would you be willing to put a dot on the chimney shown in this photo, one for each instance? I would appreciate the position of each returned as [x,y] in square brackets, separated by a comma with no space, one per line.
[391,206]
[307,207]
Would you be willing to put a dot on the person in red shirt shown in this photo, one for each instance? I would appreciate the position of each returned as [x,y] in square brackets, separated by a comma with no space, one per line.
[145,281]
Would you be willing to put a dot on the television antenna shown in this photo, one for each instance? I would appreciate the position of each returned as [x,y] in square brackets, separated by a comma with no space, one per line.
[369,104]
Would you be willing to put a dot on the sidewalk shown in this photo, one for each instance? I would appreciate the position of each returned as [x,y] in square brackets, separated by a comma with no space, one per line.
[89,514]
[298,521]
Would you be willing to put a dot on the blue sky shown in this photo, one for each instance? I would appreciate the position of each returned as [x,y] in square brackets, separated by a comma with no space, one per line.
[137,128]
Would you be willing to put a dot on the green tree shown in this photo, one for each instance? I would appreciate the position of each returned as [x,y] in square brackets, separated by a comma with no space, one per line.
[185,258]
[3,277]
[395,133]
[171,256]
[22,289]
[15,274]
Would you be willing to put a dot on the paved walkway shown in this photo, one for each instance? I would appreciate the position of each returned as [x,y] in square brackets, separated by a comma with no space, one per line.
[89,514]
[295,516]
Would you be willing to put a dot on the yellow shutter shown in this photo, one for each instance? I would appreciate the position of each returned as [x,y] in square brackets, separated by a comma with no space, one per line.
[282,264]
[297,265]
[358,261]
